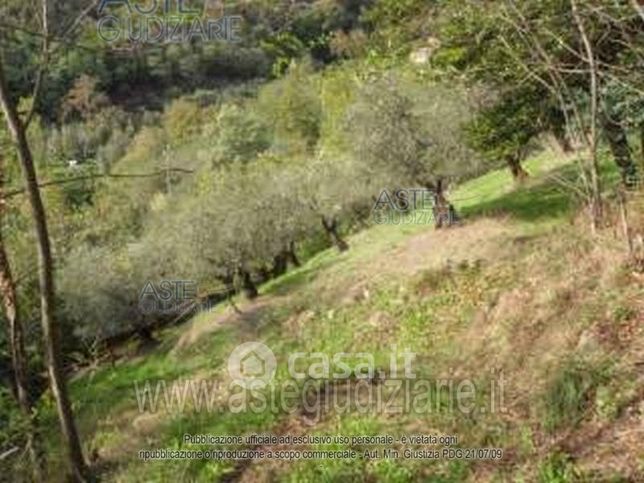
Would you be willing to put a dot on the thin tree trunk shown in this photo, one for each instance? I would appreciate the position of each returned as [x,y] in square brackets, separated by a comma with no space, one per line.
[51,331]
[642,148]
[595,196]
[19,360]
[331,229]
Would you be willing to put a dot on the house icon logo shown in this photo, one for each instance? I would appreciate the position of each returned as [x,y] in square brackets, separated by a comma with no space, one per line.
[252,365]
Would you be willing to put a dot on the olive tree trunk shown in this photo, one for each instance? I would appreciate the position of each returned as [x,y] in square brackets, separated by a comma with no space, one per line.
[248,287]
[291,255]
[518,173]
[280,265]
[642,148]
[443,211]
[331,229]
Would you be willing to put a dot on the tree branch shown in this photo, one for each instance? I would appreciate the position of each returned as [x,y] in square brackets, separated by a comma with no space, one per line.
[44,184]
[43,64]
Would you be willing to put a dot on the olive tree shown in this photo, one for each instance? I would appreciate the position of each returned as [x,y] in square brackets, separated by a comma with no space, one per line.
[413,132]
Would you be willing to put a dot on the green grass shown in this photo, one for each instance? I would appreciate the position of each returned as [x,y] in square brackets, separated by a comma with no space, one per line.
[545,199]
[557,468]
[427,313]
[571,391]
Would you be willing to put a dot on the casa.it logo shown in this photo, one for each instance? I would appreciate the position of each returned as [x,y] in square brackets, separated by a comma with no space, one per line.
[252,365]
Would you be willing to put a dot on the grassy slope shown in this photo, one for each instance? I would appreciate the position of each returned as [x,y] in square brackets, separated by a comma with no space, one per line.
[517,289]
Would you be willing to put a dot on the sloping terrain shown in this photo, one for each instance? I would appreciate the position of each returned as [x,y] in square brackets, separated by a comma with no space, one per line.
[545,320]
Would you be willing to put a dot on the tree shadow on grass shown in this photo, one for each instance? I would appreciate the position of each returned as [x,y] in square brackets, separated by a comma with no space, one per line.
[301,276]
[539,200]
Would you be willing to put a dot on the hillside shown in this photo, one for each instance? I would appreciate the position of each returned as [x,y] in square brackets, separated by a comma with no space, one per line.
[321,240]
[518,295]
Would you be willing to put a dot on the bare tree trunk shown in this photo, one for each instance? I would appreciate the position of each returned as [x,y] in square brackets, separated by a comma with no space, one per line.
[595,198]
[557,84]
[19,360]
[282,259]
[642,148]
[51,332]
[518,173]
[16,336]
[331,228]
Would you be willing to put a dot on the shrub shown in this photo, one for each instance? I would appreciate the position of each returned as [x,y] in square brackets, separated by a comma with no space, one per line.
[569,394]
[557,468]
[240,136]
[108,305]
[338,91]
[293,106]
[182,120]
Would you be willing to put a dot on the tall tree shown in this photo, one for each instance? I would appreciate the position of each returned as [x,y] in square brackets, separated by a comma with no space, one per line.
[51,331]
[508,44]
[393,129]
